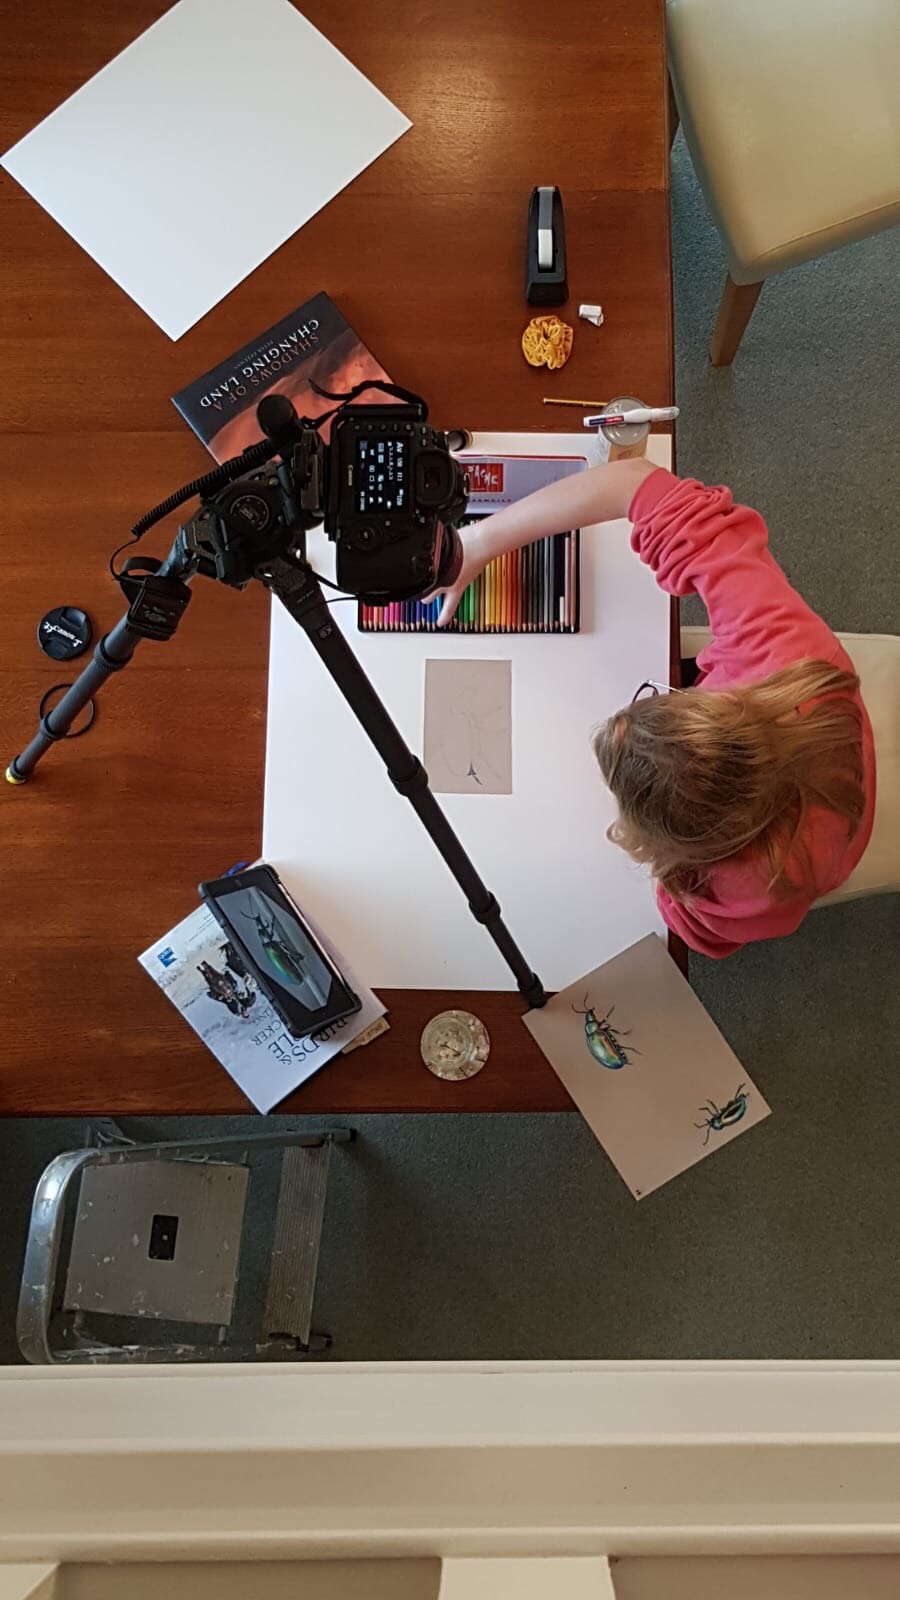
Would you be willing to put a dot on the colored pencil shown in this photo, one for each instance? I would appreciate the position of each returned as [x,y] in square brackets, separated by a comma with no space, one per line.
[535,589]
[541,582]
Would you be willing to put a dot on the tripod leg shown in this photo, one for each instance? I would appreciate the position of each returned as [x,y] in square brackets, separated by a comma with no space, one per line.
[158,602]
[112,653]
[297,588]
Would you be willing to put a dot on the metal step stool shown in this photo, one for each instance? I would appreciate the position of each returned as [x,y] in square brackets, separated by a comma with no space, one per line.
[156,1237]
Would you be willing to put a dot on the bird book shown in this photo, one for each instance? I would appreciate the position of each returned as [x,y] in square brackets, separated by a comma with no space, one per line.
[201,972]
[315,344]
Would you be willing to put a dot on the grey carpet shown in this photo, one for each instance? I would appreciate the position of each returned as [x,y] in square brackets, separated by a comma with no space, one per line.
[512,1236]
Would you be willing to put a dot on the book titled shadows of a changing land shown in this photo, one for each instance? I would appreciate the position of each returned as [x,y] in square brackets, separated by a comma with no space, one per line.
[315,344]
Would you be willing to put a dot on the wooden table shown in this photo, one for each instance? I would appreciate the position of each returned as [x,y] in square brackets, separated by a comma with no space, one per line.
[425,255]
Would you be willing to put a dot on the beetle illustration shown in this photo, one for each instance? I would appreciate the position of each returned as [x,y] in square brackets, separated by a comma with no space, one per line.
[603,1040]
[726,1116]
[279,954]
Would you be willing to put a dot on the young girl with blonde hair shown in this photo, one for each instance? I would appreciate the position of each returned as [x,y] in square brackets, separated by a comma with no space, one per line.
[751,793]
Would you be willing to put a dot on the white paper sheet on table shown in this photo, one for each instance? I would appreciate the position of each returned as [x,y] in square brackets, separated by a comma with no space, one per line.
[202,147]
[356,855]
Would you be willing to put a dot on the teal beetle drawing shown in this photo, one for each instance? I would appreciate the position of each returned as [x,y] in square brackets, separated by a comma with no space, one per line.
[603,1040]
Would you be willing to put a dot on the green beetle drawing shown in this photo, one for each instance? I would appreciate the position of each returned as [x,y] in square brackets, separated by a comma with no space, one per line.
[603,1040]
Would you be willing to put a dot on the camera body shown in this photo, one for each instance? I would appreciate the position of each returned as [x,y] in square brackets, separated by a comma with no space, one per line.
[386,487]
[392,494]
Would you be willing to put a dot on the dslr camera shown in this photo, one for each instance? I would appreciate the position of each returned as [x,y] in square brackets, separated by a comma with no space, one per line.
[386,488]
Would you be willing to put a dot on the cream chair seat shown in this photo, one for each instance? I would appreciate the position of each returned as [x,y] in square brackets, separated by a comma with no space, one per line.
[876,657]
[791,112]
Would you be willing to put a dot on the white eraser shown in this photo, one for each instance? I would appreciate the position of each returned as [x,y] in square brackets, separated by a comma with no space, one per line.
[592,314]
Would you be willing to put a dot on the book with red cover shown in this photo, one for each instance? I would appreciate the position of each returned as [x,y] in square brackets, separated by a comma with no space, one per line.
[314,344]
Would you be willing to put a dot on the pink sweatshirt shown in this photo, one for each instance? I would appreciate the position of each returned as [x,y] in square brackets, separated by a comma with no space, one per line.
[697,541]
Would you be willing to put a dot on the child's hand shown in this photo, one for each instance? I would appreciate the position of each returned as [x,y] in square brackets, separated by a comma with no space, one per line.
[474,561]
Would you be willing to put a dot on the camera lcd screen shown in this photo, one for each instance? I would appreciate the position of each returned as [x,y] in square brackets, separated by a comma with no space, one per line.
[382,474]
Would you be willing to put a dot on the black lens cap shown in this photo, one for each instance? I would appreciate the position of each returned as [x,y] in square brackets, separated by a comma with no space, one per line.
[64,633]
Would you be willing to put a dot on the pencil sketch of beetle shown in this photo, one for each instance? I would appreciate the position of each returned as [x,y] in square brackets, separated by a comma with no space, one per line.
[603,1040]
[721,1117]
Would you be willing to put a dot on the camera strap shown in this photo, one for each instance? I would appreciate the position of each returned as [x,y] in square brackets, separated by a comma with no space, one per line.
[392,389]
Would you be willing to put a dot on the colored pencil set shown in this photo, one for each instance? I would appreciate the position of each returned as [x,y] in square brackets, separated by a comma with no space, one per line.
[533,590]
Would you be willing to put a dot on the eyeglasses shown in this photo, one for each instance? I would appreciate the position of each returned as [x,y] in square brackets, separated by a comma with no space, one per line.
[650,687]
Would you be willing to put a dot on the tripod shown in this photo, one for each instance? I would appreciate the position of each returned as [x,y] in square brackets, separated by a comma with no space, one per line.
[158,599]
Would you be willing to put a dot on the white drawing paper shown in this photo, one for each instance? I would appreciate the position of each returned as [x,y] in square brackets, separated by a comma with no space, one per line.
[202,147]
[368,870]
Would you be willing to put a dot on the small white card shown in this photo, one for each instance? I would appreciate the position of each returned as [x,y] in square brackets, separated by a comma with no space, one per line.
[202,147]
[646,1066]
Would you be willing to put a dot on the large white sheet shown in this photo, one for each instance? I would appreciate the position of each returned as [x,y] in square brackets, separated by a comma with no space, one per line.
[196,152]
[355,855]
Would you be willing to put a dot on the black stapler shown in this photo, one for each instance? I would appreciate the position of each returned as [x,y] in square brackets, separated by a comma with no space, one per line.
[545,250]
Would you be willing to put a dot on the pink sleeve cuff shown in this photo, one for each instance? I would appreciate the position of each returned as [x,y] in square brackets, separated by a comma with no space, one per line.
[650,491]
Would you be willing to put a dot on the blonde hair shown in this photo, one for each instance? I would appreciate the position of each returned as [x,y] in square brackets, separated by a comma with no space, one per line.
[702,775]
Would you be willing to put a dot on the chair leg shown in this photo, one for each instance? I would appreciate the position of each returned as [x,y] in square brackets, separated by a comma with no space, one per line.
[674,118]
[735,311]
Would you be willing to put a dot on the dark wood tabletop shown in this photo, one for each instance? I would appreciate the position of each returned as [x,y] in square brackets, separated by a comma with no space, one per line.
[424,253]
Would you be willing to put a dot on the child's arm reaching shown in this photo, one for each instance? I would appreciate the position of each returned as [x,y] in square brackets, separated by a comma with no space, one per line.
[600,495]
[696,540]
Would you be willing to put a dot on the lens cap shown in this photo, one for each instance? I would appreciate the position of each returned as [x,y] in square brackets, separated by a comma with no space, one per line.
[64,633]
